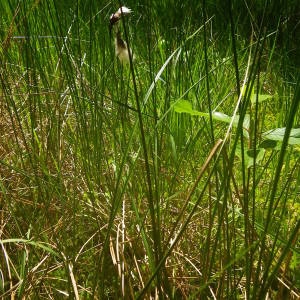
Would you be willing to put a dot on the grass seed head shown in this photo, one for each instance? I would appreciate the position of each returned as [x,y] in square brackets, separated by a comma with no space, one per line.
[122,11]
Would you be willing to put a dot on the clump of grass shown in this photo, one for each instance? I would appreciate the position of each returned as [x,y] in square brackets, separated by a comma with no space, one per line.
[175,176]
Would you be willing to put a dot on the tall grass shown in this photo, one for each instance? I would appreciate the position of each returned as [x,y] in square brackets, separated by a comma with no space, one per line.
[174,176]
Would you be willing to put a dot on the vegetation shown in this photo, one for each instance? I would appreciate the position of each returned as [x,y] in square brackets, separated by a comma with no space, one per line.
[175,176]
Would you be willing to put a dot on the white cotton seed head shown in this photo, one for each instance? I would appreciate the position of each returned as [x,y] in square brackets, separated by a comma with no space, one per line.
[124,10]
[115,18]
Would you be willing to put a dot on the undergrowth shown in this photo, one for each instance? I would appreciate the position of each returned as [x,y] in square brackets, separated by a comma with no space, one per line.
[173,176]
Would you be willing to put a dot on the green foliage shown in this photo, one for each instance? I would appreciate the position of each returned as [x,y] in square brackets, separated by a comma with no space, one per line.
[184,106]
[279,133]
[174,176]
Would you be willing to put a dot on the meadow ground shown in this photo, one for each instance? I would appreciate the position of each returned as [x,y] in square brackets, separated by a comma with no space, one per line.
[173,176]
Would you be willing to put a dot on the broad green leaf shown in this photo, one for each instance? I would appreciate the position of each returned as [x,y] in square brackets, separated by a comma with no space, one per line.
[249,155]
[278,134]
[261,97]
[268,144]
[184,106]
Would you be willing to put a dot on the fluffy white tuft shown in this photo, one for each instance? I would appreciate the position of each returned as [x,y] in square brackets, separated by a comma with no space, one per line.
[125,10]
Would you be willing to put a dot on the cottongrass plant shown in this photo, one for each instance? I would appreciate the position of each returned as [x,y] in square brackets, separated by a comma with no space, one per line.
[176,176]
[121,48]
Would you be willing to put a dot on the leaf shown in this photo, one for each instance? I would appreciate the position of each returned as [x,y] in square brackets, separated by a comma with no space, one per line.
[278,135]
[268,144]
[185,106]
[249,155]
[45,246]
[261,97]
[173,147]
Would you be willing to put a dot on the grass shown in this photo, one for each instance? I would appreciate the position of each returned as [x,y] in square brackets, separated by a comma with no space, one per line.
[176,176]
